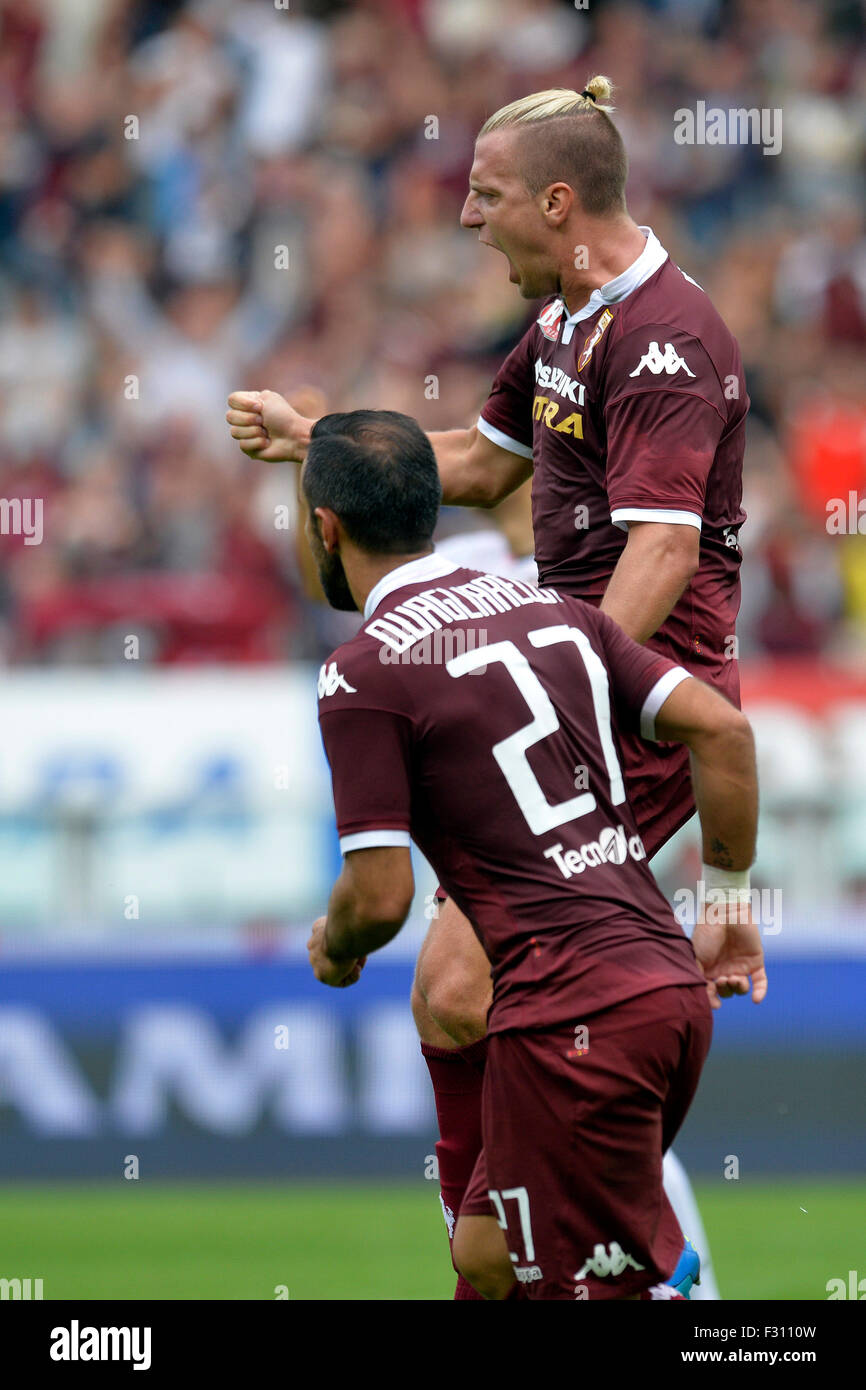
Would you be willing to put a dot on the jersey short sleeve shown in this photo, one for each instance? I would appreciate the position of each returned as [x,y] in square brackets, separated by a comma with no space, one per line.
[506,417]
[664,413]
[369,752]
[640,679]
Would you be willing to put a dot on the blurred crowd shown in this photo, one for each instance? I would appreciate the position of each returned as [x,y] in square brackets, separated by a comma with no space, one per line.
[202,196]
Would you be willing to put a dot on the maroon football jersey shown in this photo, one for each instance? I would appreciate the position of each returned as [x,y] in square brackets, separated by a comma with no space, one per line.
[633,409]
[480,716]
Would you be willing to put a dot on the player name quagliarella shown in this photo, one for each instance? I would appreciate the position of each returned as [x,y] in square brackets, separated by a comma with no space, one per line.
[436,608]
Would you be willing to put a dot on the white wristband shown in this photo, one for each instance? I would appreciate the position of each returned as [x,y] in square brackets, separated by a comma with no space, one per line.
[725,885]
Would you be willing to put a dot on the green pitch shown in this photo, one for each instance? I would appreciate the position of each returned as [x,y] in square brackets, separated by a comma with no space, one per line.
[204,1241]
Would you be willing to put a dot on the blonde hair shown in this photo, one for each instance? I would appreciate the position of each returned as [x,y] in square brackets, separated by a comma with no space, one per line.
[556,101]
[556,143]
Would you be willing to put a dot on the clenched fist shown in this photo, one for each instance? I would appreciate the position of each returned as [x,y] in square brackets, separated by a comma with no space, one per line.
[266,427]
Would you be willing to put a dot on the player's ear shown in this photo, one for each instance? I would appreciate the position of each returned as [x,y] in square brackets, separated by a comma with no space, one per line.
[329,528]
[556,203]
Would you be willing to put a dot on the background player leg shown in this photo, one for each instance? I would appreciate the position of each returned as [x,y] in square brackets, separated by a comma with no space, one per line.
[682,1199]
[454,1088]
[453,976]
[452,988]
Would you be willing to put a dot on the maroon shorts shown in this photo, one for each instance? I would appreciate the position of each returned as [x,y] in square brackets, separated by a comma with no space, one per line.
[574,1138]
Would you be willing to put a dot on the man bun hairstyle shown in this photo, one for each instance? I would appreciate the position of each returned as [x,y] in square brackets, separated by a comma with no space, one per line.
[377,471]
[599,89]
[568,137]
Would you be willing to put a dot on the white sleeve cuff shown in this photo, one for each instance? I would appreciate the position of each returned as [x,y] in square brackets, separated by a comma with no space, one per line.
[503,440]
[375,839]
[656,698]
[620,516]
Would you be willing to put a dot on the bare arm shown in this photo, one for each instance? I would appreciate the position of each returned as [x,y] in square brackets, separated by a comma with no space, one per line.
[726,940]
[369,904]
[474,471]
[724,774]
[658,562]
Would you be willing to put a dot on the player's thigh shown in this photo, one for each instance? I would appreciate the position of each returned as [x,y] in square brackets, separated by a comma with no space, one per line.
[573,1147]
[453,972]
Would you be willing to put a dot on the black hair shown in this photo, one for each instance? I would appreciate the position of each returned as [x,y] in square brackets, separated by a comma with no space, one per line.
[377,471]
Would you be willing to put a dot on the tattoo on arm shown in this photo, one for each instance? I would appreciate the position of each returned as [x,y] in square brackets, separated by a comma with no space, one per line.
[722,858]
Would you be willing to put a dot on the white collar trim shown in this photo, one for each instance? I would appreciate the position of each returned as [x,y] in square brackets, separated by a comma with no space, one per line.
[648,262]
[413,572]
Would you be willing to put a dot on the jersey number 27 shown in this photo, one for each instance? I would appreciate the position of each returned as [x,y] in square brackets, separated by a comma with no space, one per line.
[510,753]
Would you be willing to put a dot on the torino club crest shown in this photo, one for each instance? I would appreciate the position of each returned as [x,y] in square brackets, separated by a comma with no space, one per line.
[595,337]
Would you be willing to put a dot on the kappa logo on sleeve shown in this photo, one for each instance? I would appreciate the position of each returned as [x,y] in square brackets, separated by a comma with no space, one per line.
[330,681]
[668,361]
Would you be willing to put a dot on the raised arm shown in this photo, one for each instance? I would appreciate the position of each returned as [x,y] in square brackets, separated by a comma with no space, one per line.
[474,471]
[267,427]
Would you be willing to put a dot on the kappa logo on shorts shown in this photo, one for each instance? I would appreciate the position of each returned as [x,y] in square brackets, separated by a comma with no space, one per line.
[330,681]
[603,1262]
[668,361]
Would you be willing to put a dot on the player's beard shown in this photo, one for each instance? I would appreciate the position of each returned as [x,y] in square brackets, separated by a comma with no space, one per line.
[332,578]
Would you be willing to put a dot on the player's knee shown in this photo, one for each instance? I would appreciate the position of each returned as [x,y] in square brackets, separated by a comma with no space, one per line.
[481,1256]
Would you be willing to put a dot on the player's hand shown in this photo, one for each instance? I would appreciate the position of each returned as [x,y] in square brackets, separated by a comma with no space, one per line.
[728,948]
[267,427]
[336,971]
